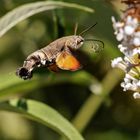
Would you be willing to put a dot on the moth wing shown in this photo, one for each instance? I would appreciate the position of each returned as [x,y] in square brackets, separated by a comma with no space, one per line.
[67,61]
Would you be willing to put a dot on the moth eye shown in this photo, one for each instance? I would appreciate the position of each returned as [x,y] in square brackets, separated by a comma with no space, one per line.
[79,41]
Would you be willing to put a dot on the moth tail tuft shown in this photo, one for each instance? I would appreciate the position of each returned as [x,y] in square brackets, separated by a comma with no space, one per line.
[24,73]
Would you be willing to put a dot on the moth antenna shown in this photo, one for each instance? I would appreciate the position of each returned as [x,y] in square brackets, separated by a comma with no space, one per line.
[75,28]
[87,29]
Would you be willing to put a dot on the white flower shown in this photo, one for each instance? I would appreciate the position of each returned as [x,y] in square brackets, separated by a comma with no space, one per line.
[136,39]
[127,32]
[136,51]
[119,63]
[136,95]
[130,83]
[120,36]
[116,61]
[122,48]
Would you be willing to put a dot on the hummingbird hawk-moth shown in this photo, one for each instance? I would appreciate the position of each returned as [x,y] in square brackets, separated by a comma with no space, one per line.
[57,55]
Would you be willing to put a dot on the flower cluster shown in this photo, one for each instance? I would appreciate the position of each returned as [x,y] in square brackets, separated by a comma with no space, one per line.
[127,32]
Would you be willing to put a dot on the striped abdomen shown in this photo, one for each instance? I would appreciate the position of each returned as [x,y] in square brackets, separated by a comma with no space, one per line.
[43,57]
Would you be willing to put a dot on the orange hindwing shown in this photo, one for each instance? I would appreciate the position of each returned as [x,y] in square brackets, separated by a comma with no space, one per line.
[67,61]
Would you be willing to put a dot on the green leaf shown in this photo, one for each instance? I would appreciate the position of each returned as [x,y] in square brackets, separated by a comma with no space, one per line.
[27,10]
[11,84]
[43,114]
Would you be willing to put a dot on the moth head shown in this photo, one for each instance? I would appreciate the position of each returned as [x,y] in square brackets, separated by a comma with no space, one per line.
[78,41]
[75,42]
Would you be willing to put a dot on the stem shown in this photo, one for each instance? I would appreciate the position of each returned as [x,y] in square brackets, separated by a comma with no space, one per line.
[92,104]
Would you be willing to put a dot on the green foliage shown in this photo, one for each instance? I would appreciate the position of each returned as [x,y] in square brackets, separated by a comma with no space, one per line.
[27,10]
[45,115]
[90,99]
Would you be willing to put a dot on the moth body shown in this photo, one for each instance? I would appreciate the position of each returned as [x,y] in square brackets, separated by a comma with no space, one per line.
[56,55]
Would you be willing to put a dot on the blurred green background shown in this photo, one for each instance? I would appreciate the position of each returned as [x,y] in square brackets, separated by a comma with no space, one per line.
[115,115]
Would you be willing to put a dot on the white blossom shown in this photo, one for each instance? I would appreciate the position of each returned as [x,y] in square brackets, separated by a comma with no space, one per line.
[136,95]
[127,32]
